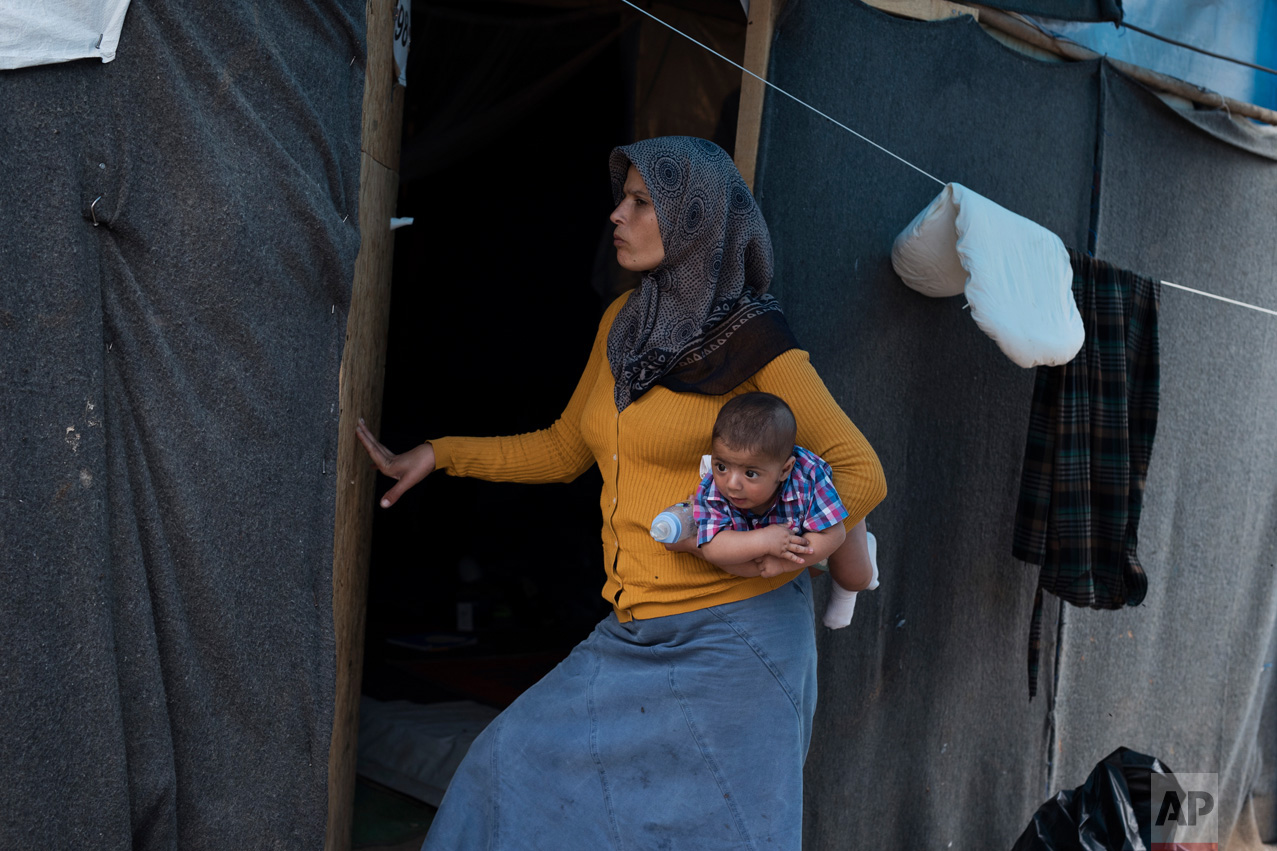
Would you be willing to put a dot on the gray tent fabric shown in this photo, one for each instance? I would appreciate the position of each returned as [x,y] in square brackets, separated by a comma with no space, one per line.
[923,734]
[1237,131]
[168,390]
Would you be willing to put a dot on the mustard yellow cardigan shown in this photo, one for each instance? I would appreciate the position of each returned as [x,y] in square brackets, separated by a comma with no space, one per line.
[649,456]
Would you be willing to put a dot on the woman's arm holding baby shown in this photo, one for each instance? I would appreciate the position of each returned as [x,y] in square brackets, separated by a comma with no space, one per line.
[747,553]
[730,547]
[746,568]
[768,551]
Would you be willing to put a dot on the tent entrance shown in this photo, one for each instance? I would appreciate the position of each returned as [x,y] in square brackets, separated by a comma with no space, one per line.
[477,588]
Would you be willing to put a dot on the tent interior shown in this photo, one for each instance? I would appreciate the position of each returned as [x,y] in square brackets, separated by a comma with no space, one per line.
[510,112]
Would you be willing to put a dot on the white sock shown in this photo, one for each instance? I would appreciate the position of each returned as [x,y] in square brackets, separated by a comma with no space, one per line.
[872,543]
[842,603]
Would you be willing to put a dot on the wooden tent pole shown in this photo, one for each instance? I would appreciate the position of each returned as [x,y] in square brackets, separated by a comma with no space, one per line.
[363,366]
[758,48]
[924,10]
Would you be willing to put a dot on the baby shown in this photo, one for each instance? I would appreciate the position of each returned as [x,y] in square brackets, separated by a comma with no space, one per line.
[767,506]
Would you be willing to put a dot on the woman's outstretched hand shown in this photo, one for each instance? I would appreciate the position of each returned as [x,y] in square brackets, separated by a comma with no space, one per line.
[407,468]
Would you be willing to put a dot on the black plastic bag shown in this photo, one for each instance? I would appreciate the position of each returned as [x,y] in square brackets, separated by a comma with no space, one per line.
[1110,812]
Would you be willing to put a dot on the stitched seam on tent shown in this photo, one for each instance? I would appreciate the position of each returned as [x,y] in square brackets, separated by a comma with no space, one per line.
[1097,166]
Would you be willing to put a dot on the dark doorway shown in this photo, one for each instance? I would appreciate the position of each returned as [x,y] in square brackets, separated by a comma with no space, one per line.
[511,109]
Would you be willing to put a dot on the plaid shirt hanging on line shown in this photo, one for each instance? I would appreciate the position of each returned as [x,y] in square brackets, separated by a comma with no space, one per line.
[1090,439]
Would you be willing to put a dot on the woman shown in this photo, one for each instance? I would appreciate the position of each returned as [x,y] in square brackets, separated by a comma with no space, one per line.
[683,720]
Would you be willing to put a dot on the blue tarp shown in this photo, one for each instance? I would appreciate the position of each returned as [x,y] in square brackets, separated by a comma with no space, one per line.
[1241,29]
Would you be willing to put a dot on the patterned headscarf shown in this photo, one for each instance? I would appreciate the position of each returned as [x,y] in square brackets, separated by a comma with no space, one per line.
[700,321]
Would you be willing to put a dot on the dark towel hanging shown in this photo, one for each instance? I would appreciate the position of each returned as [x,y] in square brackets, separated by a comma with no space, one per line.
[1090,438]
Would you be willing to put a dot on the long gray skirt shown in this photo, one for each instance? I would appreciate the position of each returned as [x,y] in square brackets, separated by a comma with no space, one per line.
[682,732]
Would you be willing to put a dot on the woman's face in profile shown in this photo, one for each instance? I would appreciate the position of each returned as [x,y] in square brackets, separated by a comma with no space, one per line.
[638,235]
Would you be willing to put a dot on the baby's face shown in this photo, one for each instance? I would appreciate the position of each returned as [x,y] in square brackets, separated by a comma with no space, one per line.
[749,480]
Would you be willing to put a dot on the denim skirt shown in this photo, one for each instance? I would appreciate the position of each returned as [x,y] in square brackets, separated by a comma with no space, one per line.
[680,732]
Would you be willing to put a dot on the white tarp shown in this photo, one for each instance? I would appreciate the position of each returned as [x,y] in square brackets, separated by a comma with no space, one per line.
[42,32]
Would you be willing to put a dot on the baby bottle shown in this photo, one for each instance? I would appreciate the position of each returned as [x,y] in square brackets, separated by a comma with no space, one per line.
[674,523]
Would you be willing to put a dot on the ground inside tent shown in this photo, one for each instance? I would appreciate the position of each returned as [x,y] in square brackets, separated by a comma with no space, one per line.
[386,820]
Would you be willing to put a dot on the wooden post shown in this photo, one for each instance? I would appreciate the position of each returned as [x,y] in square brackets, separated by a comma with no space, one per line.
[924,10]
[363,367]
[758,48]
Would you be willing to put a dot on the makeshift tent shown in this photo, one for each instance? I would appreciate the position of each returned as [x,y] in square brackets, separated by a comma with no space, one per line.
[180,238]
[924,735]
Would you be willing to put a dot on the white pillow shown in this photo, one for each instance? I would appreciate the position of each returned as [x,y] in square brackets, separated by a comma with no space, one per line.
[1015,273]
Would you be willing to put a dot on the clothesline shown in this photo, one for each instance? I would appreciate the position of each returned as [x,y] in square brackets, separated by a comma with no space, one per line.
[1221,298]
[892,154]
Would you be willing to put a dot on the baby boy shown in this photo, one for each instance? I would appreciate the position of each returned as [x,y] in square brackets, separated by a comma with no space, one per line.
[767,506]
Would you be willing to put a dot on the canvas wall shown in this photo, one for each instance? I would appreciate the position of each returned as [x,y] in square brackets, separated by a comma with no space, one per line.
[179,239]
